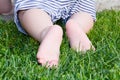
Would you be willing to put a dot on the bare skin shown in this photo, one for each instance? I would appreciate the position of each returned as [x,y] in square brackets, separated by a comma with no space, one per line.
[49,49]
[76,28]
[5,6]
[38,24]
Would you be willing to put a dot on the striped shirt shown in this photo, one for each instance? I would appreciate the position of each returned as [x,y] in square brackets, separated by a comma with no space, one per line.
[57,8]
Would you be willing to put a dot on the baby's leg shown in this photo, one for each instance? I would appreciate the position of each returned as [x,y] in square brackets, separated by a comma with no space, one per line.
[39,25]
[76,28]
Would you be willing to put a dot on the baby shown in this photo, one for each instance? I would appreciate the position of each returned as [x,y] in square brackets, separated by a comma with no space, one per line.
[5,6]
[37,18]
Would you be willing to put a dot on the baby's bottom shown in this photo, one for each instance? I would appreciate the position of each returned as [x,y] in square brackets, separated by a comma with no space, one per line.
[76,28]
[39,25]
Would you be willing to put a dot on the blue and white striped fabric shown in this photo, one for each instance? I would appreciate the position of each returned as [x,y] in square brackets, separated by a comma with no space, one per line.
[55,8]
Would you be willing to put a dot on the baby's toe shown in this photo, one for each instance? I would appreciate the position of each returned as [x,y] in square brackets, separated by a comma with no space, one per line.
[53,63]
[48,63]
[42,61]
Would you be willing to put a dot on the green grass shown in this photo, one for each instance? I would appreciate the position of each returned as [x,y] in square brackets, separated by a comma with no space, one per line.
[18,54]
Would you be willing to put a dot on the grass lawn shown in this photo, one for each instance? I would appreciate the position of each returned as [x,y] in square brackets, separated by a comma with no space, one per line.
[18,54]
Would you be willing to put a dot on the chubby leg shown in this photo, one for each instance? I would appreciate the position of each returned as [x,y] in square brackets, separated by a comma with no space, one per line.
[76,28]
[39,25]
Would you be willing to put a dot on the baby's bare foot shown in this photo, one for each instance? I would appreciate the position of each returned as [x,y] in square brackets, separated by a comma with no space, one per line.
[78,39]
[49,49]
